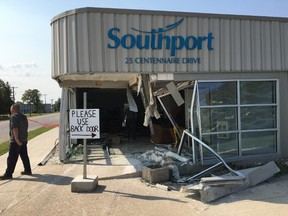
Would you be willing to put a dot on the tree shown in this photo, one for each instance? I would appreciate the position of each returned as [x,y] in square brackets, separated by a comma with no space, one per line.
[57,105]
[33,97]
[5,97]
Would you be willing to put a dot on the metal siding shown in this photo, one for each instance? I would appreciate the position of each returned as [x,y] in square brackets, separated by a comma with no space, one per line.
[135,21]
[276,46]
[235,45]
[80,44]
[256,47]
[266,53]
[146,23]
[170,68]
[215,54]
[71,44]
[109,54]
[225,44]
[284,46]
[95,42]
[62,47]
[156,22]
[203,28]
[192,28]
[121,21]
[56,55]
[246,41]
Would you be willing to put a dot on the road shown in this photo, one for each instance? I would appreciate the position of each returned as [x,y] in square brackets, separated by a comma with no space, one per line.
[34,123]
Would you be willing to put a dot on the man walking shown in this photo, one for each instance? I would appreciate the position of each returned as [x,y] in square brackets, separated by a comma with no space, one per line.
[18,143]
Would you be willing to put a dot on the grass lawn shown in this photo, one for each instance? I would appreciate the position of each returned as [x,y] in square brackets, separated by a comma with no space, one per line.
[4,147]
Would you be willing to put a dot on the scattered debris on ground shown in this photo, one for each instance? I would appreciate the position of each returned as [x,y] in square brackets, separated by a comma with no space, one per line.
[162,166]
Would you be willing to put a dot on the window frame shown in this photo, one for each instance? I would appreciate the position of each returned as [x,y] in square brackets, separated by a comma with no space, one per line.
[238,107]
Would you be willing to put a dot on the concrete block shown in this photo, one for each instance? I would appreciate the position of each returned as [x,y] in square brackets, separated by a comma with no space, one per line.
[212,188]
[209,193]
[259,174]
[155,175]
[88,184]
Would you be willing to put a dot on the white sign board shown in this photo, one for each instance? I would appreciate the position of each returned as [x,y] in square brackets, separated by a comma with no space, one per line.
[84,124]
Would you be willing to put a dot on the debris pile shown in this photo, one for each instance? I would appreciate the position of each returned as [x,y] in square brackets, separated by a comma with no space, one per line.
[159,162]
[160,157]
[211,188]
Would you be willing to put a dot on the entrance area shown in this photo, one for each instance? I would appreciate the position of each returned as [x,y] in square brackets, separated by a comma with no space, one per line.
[238,119]
[113,106]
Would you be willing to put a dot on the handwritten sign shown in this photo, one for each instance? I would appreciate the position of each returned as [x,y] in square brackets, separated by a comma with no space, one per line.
[84,123]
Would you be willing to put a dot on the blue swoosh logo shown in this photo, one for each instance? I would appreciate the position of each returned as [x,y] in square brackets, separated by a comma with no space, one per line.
[161,30]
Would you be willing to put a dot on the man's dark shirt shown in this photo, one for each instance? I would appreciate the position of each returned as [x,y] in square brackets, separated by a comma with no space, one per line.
[18,120]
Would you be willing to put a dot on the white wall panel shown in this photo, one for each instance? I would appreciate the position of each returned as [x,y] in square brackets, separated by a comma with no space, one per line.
[225,45]
[235,49]
[146,24]
[54,47]
[171,68]
[214,58]
[266,52]
[62,47]
[135,21]
[276,46]
[158,21]
[83,43]
[240,43]
[121,21]
[246,44]
[71,44]
[109,54]
[203,28]
[95,42]
[192,28]
[256,46]
[284,46]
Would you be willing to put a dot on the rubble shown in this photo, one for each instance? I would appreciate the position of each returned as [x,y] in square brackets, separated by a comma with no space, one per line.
[212,188]
[209,188]
[164,158]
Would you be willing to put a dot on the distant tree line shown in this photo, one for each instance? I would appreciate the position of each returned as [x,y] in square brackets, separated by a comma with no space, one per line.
[5,97]
[30,96]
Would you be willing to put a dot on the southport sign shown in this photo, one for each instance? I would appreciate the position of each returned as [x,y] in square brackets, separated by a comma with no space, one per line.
[156,39]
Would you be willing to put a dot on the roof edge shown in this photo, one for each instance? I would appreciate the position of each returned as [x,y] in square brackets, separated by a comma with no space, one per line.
[157,12]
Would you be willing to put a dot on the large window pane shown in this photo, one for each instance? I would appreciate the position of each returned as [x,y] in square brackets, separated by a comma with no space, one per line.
[225,144]
[218,119]
[258,92]
[217,93]
[254,143]
[256,108]
[258,118]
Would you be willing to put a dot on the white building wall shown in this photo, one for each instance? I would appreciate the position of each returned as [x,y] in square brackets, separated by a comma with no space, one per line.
[241,43]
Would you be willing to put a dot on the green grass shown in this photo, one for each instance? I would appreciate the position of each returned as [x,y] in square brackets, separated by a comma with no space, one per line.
[4,147]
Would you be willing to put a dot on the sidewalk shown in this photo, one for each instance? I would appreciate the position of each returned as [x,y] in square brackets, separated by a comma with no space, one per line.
[38,149]
[48,191]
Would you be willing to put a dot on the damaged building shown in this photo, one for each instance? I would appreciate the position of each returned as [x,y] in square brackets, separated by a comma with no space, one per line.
[221,78]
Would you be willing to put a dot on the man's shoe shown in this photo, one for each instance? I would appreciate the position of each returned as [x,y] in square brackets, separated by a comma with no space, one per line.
[5,177]
[26,173]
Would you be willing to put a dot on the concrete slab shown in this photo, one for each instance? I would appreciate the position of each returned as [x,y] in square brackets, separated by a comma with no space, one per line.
[210,193]
[212,188]
[79,184]
[259,174]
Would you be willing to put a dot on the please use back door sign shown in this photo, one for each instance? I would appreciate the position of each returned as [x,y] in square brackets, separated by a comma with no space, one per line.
[84,123]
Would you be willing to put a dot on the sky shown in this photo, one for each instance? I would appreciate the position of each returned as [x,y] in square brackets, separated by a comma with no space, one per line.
[25,32]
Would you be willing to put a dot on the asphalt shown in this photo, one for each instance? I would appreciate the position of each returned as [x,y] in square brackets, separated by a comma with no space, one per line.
[121,190]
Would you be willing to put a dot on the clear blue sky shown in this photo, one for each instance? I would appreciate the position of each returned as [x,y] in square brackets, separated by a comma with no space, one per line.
[25,33]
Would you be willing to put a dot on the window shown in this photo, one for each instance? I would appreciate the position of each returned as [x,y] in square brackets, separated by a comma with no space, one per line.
[239,118]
